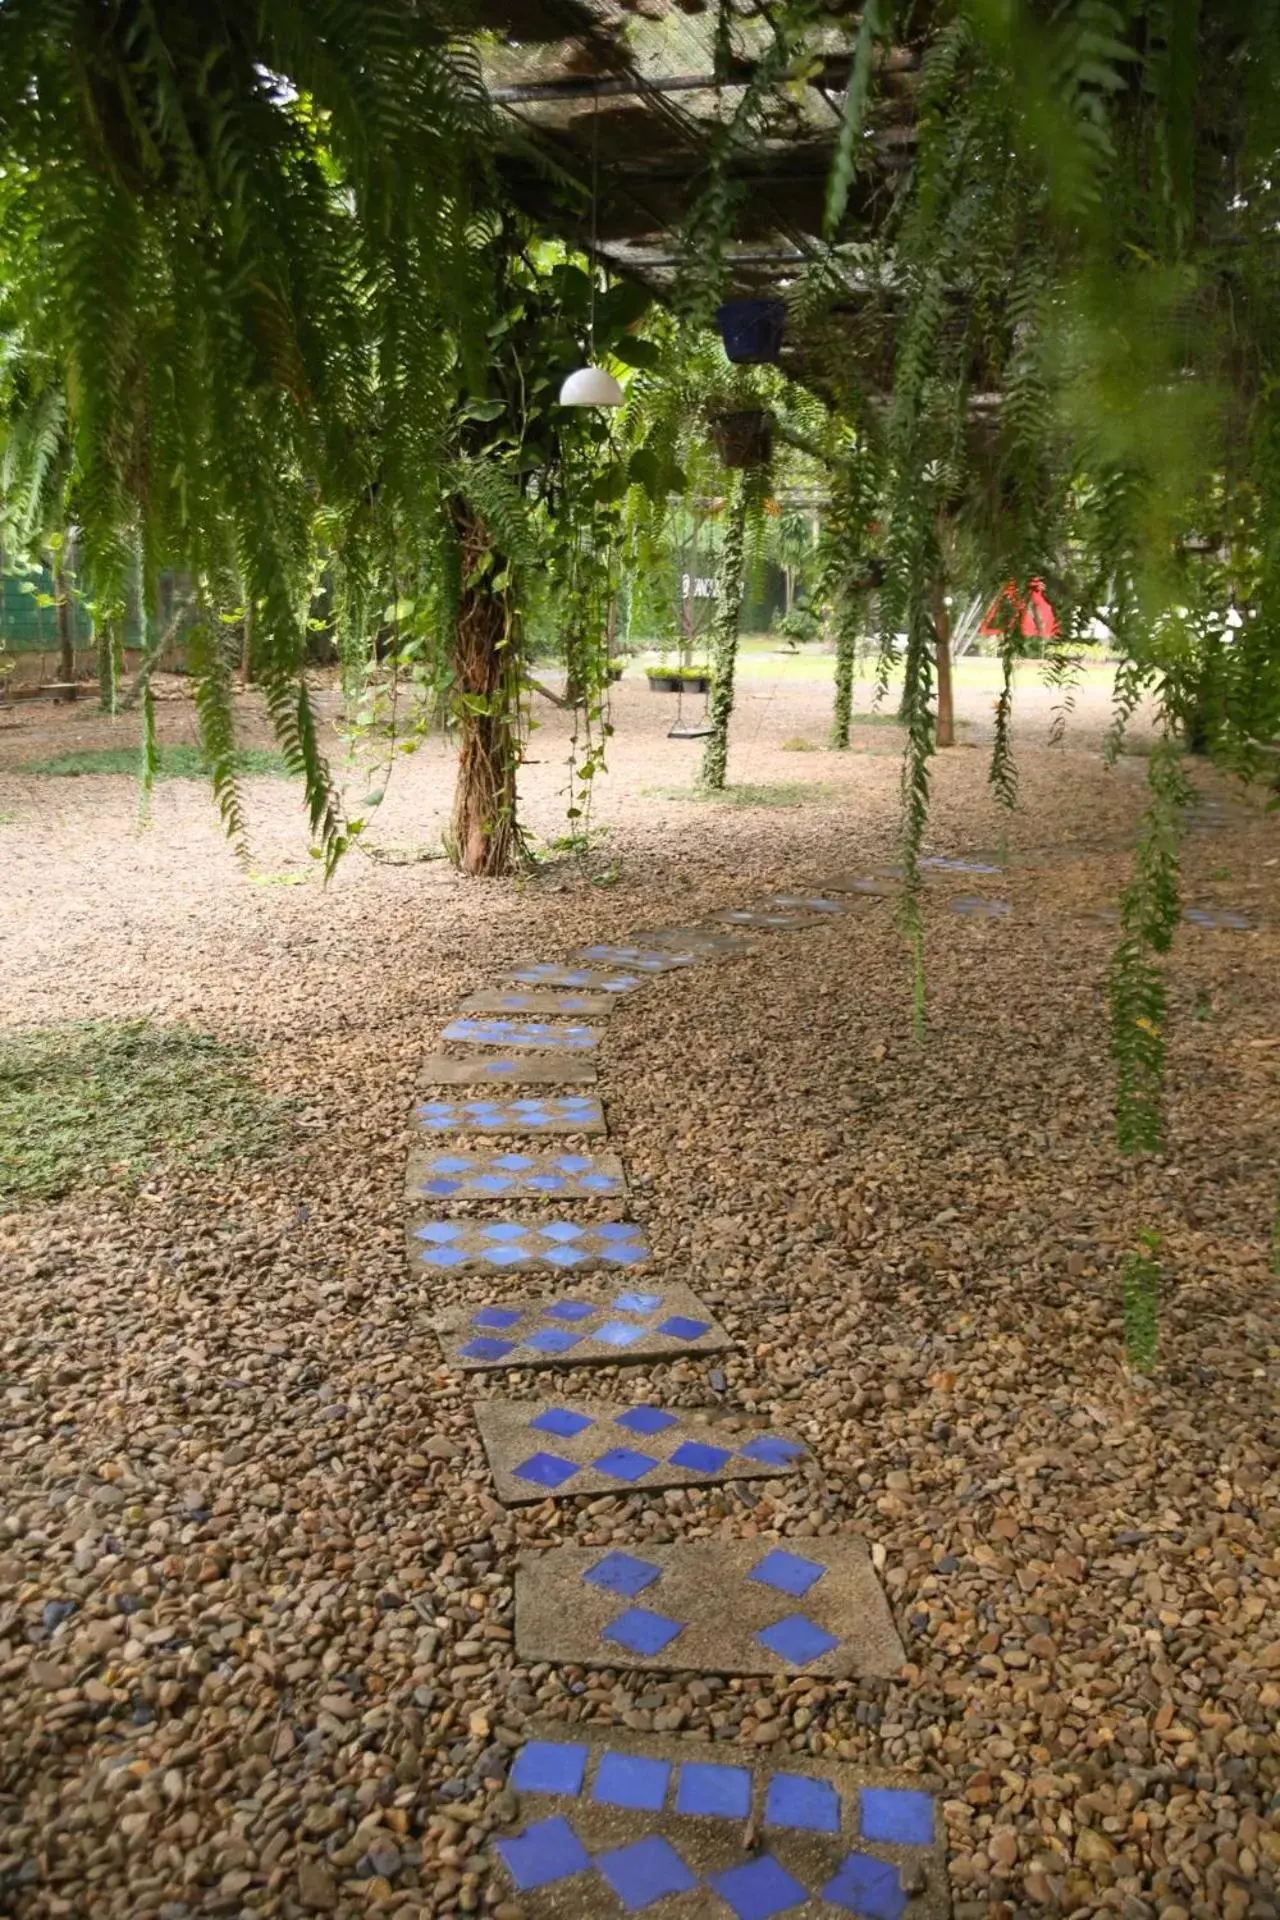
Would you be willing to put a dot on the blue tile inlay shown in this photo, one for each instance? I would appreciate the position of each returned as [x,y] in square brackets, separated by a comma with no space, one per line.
[545,1470]
[617,1333]
[444,1257]
[549,1766]
[680,1327]
[631,1780]
[644,1872]
[896,1813]
[771,1450]
[505,1230]
[945,865]
[496,1032]
[438,1230]
[623,1464]
[622,1573]
[788,1572]
[759,1889]
[796,1640]
[694,1457]
[486,1349]
[552,1340]
[567,1111]
[706,1788]
[638,1302]
[562,1421]
[645,1420]
[570,1310]
[642,1632]
[797,1800]
[547,1851]
[975,908]
[495,1317]
[868,1887]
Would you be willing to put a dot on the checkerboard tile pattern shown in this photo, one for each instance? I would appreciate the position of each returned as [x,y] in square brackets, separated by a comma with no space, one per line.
[784,912]
[515,1176]
[620,1825]
[556,1006]
[943,863]
[578,1328]
[711,1607]
[698,940]
[497,1246]
[550,973]
[636,959]
[512,1070]
[543,1447]
[1218,919]
[543,1035]
[563,1113]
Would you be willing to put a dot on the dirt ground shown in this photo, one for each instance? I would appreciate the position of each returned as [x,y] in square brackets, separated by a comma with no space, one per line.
[286,1682]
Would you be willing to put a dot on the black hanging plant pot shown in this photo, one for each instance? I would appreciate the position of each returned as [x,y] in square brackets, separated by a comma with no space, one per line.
[663,679]
[752,330]
[743,438]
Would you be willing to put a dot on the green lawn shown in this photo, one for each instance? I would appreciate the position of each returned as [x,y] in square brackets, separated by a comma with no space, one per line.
[176,763]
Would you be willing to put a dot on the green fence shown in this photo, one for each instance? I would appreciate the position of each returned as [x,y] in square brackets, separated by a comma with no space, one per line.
[29,622]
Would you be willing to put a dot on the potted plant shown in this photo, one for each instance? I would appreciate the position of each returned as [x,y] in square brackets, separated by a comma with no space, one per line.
[695,679]
[752,330]
[663,679]
[743,437]
[617,667]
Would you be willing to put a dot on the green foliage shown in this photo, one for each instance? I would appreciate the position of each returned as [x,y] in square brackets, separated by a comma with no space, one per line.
[97,1103]
[171,763]
[1140,1288]
[778,793]
[724,632]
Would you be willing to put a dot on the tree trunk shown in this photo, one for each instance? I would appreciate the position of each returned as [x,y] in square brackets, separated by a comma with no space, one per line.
[246,648]
[66,625]
[846,660]
[485,835]
[946,735]
[724,640]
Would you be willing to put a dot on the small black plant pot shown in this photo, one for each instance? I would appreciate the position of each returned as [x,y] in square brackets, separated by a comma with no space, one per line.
[696,682]
[743,439]
[615,674]
[664,682]
[752,330]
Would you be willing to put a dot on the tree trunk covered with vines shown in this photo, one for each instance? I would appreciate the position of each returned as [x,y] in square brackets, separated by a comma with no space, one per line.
[946,731]
[724,639]
[846,662]
[66,629]
[486,696]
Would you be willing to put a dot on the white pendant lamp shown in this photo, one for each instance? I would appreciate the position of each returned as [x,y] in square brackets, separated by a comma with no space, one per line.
[591,387]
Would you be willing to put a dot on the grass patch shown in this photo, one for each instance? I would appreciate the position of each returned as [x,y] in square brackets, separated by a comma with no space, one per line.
[874,719]
[783,793]
[798,744]
[176,763]
[103,1101]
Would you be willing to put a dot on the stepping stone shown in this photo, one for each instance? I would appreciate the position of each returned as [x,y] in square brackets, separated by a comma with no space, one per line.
[535,1070]
[542,1447]
[555,1246]
[581,1329]
[724,1606]
[542,1034]
[556,1113]
[617,1823]
[942,863]
[877,883]
[973,907]
[515,1176]
[698,940]
[637,959]
[777,919]
[808,903]
[549,973]
[561,1006]
[1218,919]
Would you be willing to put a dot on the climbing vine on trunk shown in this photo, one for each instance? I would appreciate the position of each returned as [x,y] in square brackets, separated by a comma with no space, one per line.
[724,634]
[485,834]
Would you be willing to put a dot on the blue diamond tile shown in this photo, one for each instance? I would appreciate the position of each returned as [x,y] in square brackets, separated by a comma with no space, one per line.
[491,1185]
[868,1887]
[796,1800]
[552,1340]
[704,1787]
[642,1632]
[486,1349]
[573,1162]
[694,1457]
[443,1257]
[563,1230]
[512,1162]
[506,1230]
[645,1420]
[788,1572]
[759,1889]
[617,1333]
[545,1183]
[547,1851]
[622,1573]
[441,1186]
[496,1317]
[438,1231]
[771,1450]
[601,1182]
[562,1421]
[678,1327]
[896,1813]
[644,1872]
[450,1163]
[628,1253]
[616,1230]
[565,1256]
[508,1254]
[796,1640]
[569,1310]
[549,1766]
[545,1470]
[631,1780]
[622,1464]
[638,1302]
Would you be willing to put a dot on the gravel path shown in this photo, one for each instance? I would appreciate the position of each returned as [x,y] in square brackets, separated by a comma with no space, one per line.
[255,1592]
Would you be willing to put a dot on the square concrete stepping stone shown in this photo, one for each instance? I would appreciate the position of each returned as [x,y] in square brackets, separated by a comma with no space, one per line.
[581,1328]
[556,1113]
[559,1006]
[637,959]
[697,940]
[724,1606]
[551,973]
[542,1447]
[515,1176]
[783,915]
[618,1823]
[972,906]
[544,1035]
[533,1070]
[1218,920]
[944,863]
[554,1246]
[876,883]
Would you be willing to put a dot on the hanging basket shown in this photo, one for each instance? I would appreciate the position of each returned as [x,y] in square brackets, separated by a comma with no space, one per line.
[743,439]
[752,330]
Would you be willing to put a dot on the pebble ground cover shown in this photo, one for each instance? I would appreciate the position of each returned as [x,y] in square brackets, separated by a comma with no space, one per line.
[255,1589]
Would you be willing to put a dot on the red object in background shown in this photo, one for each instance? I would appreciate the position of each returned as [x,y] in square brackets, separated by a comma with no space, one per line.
[1036,618]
